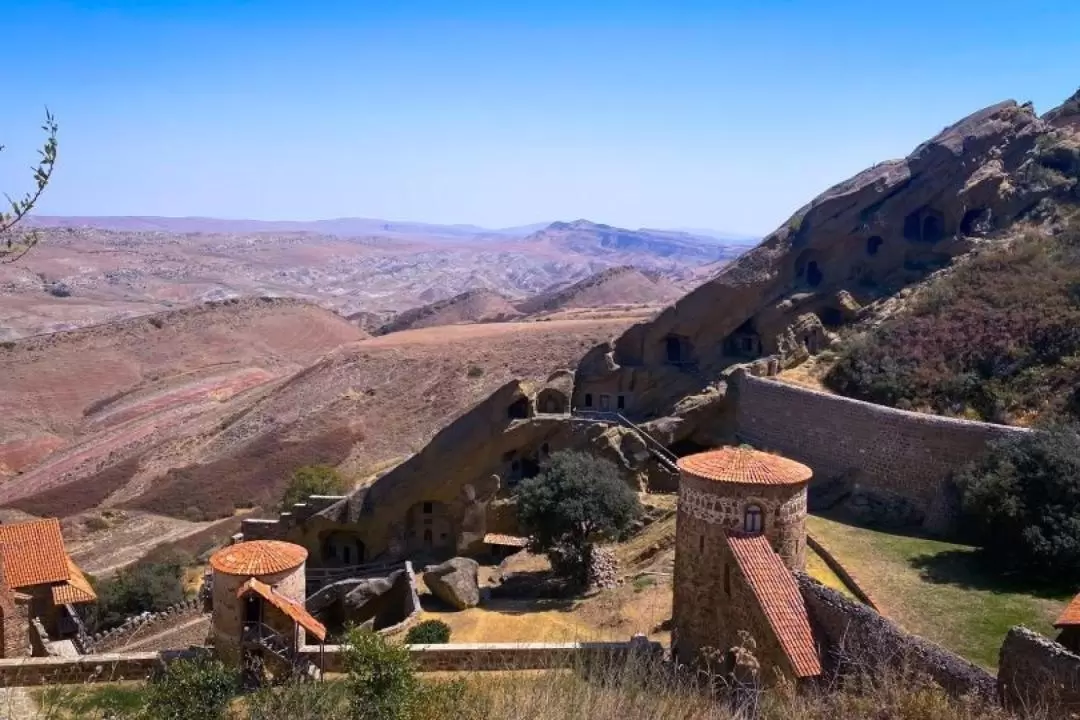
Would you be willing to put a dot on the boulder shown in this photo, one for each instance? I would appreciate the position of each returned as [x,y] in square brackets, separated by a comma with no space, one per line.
[455,582]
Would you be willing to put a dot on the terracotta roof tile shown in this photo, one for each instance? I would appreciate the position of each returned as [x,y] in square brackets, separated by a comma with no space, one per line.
[744,465]
[33,553]
[286,605]
[778,595]
[507,540]
[76,590]
[258,557]
[1070,615]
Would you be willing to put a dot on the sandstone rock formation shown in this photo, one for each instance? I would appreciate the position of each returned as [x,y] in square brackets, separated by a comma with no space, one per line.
[455,582]
[863,239]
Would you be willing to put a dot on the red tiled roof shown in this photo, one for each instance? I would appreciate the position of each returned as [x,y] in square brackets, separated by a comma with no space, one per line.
[290,607]
[1070,615]
[258,557]
[744,465]
[778,595]
[76,590]
[33,553]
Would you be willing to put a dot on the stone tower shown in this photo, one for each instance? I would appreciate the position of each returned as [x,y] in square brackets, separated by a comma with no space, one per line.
[280,565]
[733,491]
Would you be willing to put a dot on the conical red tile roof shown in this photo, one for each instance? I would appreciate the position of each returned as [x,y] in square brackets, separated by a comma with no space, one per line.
[744,465]
[258,557]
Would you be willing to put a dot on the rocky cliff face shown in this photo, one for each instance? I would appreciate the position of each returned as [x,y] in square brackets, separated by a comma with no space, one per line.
[863,239]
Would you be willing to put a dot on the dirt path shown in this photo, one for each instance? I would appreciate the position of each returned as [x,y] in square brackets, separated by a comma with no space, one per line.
[449,333]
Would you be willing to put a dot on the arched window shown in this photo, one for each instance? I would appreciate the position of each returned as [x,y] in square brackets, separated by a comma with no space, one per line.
[753,520]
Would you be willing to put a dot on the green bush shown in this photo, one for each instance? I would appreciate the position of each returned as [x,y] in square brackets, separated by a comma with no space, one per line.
[381,681]
[1021,503]
[189,689]
[429,632]
[575,501]
[998,339]
[312,480]
[150,585]
[475,371]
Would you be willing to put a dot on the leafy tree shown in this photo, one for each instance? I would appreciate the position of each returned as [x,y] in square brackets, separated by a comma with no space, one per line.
[14,245]
[312,480]
[575,501]
[151,585]
[199,688]
[381,682]
[1021,503]
[429,632]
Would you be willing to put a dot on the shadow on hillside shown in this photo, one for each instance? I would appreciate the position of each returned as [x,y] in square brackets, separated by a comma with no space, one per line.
[843,517]
[976,570]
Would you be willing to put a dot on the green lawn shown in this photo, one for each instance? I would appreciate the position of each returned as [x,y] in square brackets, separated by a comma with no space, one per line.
[939,590]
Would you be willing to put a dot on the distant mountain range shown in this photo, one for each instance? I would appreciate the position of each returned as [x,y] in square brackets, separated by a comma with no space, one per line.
[340,227]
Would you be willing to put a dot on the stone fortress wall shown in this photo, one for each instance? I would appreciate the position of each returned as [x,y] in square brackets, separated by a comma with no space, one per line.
[1035,672]
[894,452]
[139,627]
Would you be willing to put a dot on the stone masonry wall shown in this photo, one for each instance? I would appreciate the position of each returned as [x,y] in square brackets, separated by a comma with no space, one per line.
[31,671]
[505,656]
[856,637]
[143,626]
[1036,672]
[903,453]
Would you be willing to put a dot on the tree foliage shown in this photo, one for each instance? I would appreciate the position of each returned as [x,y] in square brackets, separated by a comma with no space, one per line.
[198,688]
[575,501]
[1021,503]
[13,244]
[312,480]
[429,632]
[151,585]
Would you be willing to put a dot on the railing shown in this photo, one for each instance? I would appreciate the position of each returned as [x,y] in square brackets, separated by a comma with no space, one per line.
[318,578]
[661,453]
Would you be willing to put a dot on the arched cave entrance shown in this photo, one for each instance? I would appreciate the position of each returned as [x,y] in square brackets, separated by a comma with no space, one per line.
[873,244]
[807,268]
[341,548]
[924,225]
[678,349]
[975,221]
[552,401]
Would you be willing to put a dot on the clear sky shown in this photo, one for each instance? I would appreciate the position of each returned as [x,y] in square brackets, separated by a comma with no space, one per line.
[727,115]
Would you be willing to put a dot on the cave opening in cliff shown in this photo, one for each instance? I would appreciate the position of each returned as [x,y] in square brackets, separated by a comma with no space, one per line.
[874,244]
[744,342]
[678,349]
[807,268]
[518,410]
[932,230]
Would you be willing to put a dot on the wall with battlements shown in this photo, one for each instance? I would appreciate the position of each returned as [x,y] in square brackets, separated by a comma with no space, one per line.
[1035,671]
[891,451]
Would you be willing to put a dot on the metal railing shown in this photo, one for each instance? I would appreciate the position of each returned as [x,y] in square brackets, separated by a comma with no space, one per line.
[657,448]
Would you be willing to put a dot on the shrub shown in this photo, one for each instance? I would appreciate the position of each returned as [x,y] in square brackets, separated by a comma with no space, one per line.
[997,339]
[151,585]
[1021,503]
[312,480]
[429,632]
[575,501]
[200,688]
[475,371]
[381,680]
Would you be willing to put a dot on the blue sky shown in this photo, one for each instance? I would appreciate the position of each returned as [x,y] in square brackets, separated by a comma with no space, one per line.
[660,114]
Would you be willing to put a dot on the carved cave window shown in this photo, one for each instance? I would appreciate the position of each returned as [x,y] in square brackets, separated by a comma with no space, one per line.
[874,244]
[605,402]
[727,579]
[621,402]
[701,543]
[588,400]
[753,519]
[427,508]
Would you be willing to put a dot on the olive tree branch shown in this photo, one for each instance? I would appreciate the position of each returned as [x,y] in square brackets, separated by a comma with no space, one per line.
[10,250]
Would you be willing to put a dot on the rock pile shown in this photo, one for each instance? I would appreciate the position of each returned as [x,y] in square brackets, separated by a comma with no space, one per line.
[604,571]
